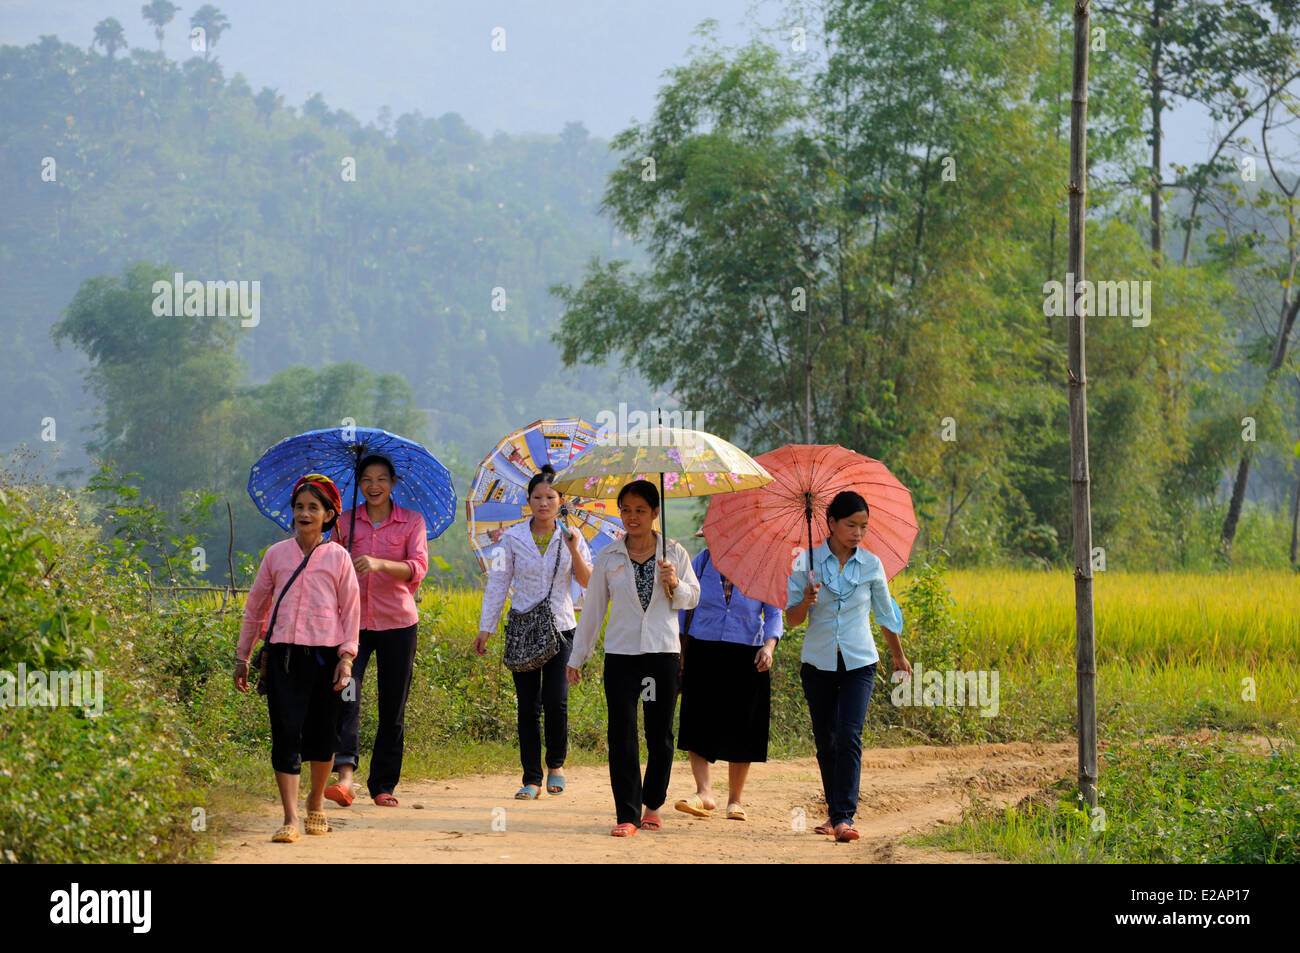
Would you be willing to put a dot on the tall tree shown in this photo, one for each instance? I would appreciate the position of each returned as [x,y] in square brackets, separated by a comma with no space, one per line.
[159,13]
[213,23]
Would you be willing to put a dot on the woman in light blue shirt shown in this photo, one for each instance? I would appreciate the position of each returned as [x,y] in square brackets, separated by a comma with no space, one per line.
[727,647]
[839,654]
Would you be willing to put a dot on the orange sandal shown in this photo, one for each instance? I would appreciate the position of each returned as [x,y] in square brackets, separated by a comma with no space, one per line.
[340,795]
[626,829]
[385,800]
[845,832]
[826,828]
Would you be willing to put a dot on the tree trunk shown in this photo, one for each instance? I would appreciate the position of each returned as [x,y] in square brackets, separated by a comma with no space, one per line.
[1295,523]
[1237,502]
[1085,655]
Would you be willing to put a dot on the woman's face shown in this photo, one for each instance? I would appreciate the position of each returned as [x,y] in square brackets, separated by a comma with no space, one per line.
[850,531]
[544,501]
[309,515]
[375,484]
[637,515]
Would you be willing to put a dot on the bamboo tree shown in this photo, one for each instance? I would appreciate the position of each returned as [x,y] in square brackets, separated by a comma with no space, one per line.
[1085,657]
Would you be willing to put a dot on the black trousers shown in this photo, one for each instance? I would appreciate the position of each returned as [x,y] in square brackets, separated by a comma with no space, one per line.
[546,688]
[654,680]
[394,651]
[302,703]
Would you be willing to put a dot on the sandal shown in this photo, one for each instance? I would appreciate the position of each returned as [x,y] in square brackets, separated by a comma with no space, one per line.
[340,795]
[317,823]
[736,813]
[529,792]
[626,829]
[385,800]
[554,783]
[286,835]
[845,832]
[650,821]
[825,828]
[693,805]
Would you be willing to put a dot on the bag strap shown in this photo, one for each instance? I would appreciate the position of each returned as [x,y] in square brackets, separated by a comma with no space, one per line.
[276,611]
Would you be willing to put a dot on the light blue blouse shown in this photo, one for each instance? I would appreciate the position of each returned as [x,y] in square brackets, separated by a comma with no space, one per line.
[840,618]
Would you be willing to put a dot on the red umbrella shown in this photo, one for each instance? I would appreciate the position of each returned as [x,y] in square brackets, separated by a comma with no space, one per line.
[756,537]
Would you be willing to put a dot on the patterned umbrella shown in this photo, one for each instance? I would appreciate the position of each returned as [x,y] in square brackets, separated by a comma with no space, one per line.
[755,537]
[687,463]
[499,496]
[423,484]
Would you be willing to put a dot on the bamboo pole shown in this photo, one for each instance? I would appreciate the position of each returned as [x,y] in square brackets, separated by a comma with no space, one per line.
[1085,655]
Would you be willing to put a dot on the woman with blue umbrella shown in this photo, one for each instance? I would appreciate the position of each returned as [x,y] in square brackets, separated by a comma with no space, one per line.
[407,498]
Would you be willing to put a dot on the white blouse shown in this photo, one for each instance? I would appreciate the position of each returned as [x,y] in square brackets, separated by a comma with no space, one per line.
[631,629]
[515,566]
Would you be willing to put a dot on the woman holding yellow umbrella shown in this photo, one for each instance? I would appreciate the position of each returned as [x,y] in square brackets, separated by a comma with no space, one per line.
[642,594]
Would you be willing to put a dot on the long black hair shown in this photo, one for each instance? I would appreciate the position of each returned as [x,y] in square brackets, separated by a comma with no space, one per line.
[845,504]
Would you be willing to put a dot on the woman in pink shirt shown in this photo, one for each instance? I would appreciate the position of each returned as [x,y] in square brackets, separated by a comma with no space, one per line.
[391,556]
[310,622]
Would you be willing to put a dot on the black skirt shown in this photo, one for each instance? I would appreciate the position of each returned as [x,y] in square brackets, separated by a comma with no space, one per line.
[726,702]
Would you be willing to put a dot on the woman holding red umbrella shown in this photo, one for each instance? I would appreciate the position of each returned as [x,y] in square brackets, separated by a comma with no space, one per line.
[839,653]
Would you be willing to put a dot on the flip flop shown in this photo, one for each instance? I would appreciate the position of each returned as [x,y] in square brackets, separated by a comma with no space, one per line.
[385,800]
[288,834]
[845,832]
[651,822]
[736,813]
[826,828]
[626,829]
[340,795]
[529,792]
[693,805]
[554,783]
[317,823]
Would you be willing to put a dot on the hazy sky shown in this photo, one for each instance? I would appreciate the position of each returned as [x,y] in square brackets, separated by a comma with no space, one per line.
[597,61]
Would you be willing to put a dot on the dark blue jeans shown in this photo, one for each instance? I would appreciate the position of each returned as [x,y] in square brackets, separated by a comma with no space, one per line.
[546,688]
[838,703]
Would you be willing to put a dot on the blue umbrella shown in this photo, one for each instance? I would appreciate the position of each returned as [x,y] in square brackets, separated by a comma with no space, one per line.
[423,484]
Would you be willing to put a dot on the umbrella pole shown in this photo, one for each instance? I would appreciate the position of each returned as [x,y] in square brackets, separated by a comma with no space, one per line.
[807,515]
[663,525]
[356,479]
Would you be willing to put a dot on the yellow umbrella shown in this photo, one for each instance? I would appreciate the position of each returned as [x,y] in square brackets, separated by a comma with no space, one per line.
[687,463]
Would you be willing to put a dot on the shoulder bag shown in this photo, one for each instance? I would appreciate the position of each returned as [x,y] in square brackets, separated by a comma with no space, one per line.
[532,638]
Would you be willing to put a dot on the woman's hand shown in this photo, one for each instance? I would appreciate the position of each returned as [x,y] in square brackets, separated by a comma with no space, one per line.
[570,540]
[668,575]
[574,675]
[342,673]
[480,643]
[241,675]
[763,660]
[365,564]
[901,664]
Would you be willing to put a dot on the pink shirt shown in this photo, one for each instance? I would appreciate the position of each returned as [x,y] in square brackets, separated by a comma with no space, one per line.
[387,602]
[322,608]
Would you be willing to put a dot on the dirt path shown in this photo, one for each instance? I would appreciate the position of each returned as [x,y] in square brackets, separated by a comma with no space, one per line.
[461,820]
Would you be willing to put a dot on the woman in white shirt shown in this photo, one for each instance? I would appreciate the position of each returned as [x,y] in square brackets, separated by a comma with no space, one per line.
[642,652]
[525,561]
